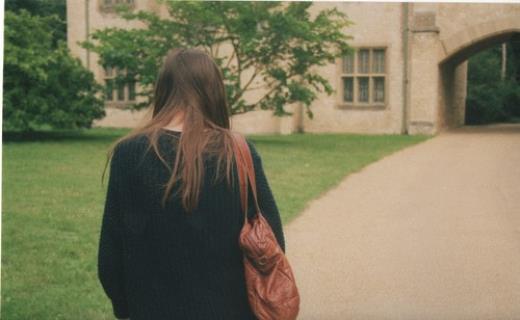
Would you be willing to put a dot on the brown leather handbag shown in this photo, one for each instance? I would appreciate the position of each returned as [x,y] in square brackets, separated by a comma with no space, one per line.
[270,282]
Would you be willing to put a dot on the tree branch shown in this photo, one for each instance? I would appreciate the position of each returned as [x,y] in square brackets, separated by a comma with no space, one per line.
[239,93]
[230,59]
[273,88]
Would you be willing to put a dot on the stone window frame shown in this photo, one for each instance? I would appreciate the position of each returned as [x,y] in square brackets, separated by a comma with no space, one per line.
[110,5]
[356,104]
[128,90]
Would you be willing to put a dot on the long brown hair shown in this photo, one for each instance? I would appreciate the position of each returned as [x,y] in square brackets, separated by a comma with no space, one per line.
[189,82]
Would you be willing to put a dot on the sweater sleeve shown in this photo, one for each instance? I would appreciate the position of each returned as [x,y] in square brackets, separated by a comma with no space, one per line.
[111,254]
[266,200]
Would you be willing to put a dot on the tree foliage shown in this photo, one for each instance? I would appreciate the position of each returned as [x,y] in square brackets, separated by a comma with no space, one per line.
[489,98]
[44,8]
[273,48]
[43,85]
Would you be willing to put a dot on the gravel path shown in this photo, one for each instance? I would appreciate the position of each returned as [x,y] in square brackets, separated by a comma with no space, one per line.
[430,232]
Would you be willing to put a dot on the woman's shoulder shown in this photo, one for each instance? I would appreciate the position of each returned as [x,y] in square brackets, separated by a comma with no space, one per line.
[132,142]
[252,148]
[250,143]
[128,148]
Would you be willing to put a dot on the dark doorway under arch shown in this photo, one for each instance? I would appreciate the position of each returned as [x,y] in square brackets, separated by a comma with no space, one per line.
[493,93]
[460,88]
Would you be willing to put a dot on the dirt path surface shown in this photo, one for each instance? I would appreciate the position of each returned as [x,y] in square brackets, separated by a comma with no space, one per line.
[431,232]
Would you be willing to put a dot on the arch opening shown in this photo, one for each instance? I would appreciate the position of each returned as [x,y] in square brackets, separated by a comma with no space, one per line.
[453,71]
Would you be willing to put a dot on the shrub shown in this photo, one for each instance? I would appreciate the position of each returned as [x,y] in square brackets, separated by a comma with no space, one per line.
[44,86]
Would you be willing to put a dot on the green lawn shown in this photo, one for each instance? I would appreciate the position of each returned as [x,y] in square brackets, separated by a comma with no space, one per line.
[53,201]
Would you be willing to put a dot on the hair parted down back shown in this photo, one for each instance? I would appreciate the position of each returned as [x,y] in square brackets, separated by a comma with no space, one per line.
[189,81]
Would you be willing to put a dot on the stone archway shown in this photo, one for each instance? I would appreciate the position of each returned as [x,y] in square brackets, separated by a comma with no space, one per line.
[469,41]
[438,66]
[453,65]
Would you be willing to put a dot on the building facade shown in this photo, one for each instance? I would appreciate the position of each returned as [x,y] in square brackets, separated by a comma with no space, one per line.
[408,74]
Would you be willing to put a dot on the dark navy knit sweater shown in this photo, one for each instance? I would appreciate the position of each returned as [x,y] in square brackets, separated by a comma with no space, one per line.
[163,263]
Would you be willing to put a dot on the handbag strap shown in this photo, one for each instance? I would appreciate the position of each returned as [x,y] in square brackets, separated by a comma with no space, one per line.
[246,172]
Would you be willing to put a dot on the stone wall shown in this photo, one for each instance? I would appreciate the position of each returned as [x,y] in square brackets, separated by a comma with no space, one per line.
[441,36]
[374,25]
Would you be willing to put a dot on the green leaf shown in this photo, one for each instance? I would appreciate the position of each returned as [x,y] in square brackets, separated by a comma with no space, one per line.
[272,43]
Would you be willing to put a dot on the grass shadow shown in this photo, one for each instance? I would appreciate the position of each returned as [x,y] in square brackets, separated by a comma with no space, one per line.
[62,135]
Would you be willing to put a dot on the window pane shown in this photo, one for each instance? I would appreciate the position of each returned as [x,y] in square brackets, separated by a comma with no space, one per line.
[348,89]
[363,89]
[109,72]
[109,89]
[119,84]
[379,89]
[131,90]
[378,63]
[348,64]
[363,61]
[120,91]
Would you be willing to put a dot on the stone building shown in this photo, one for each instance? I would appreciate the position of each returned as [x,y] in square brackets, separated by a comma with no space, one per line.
[408,74]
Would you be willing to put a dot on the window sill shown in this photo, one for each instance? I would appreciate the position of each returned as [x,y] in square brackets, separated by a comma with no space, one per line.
[119,104]
[113,7]
[351,106]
